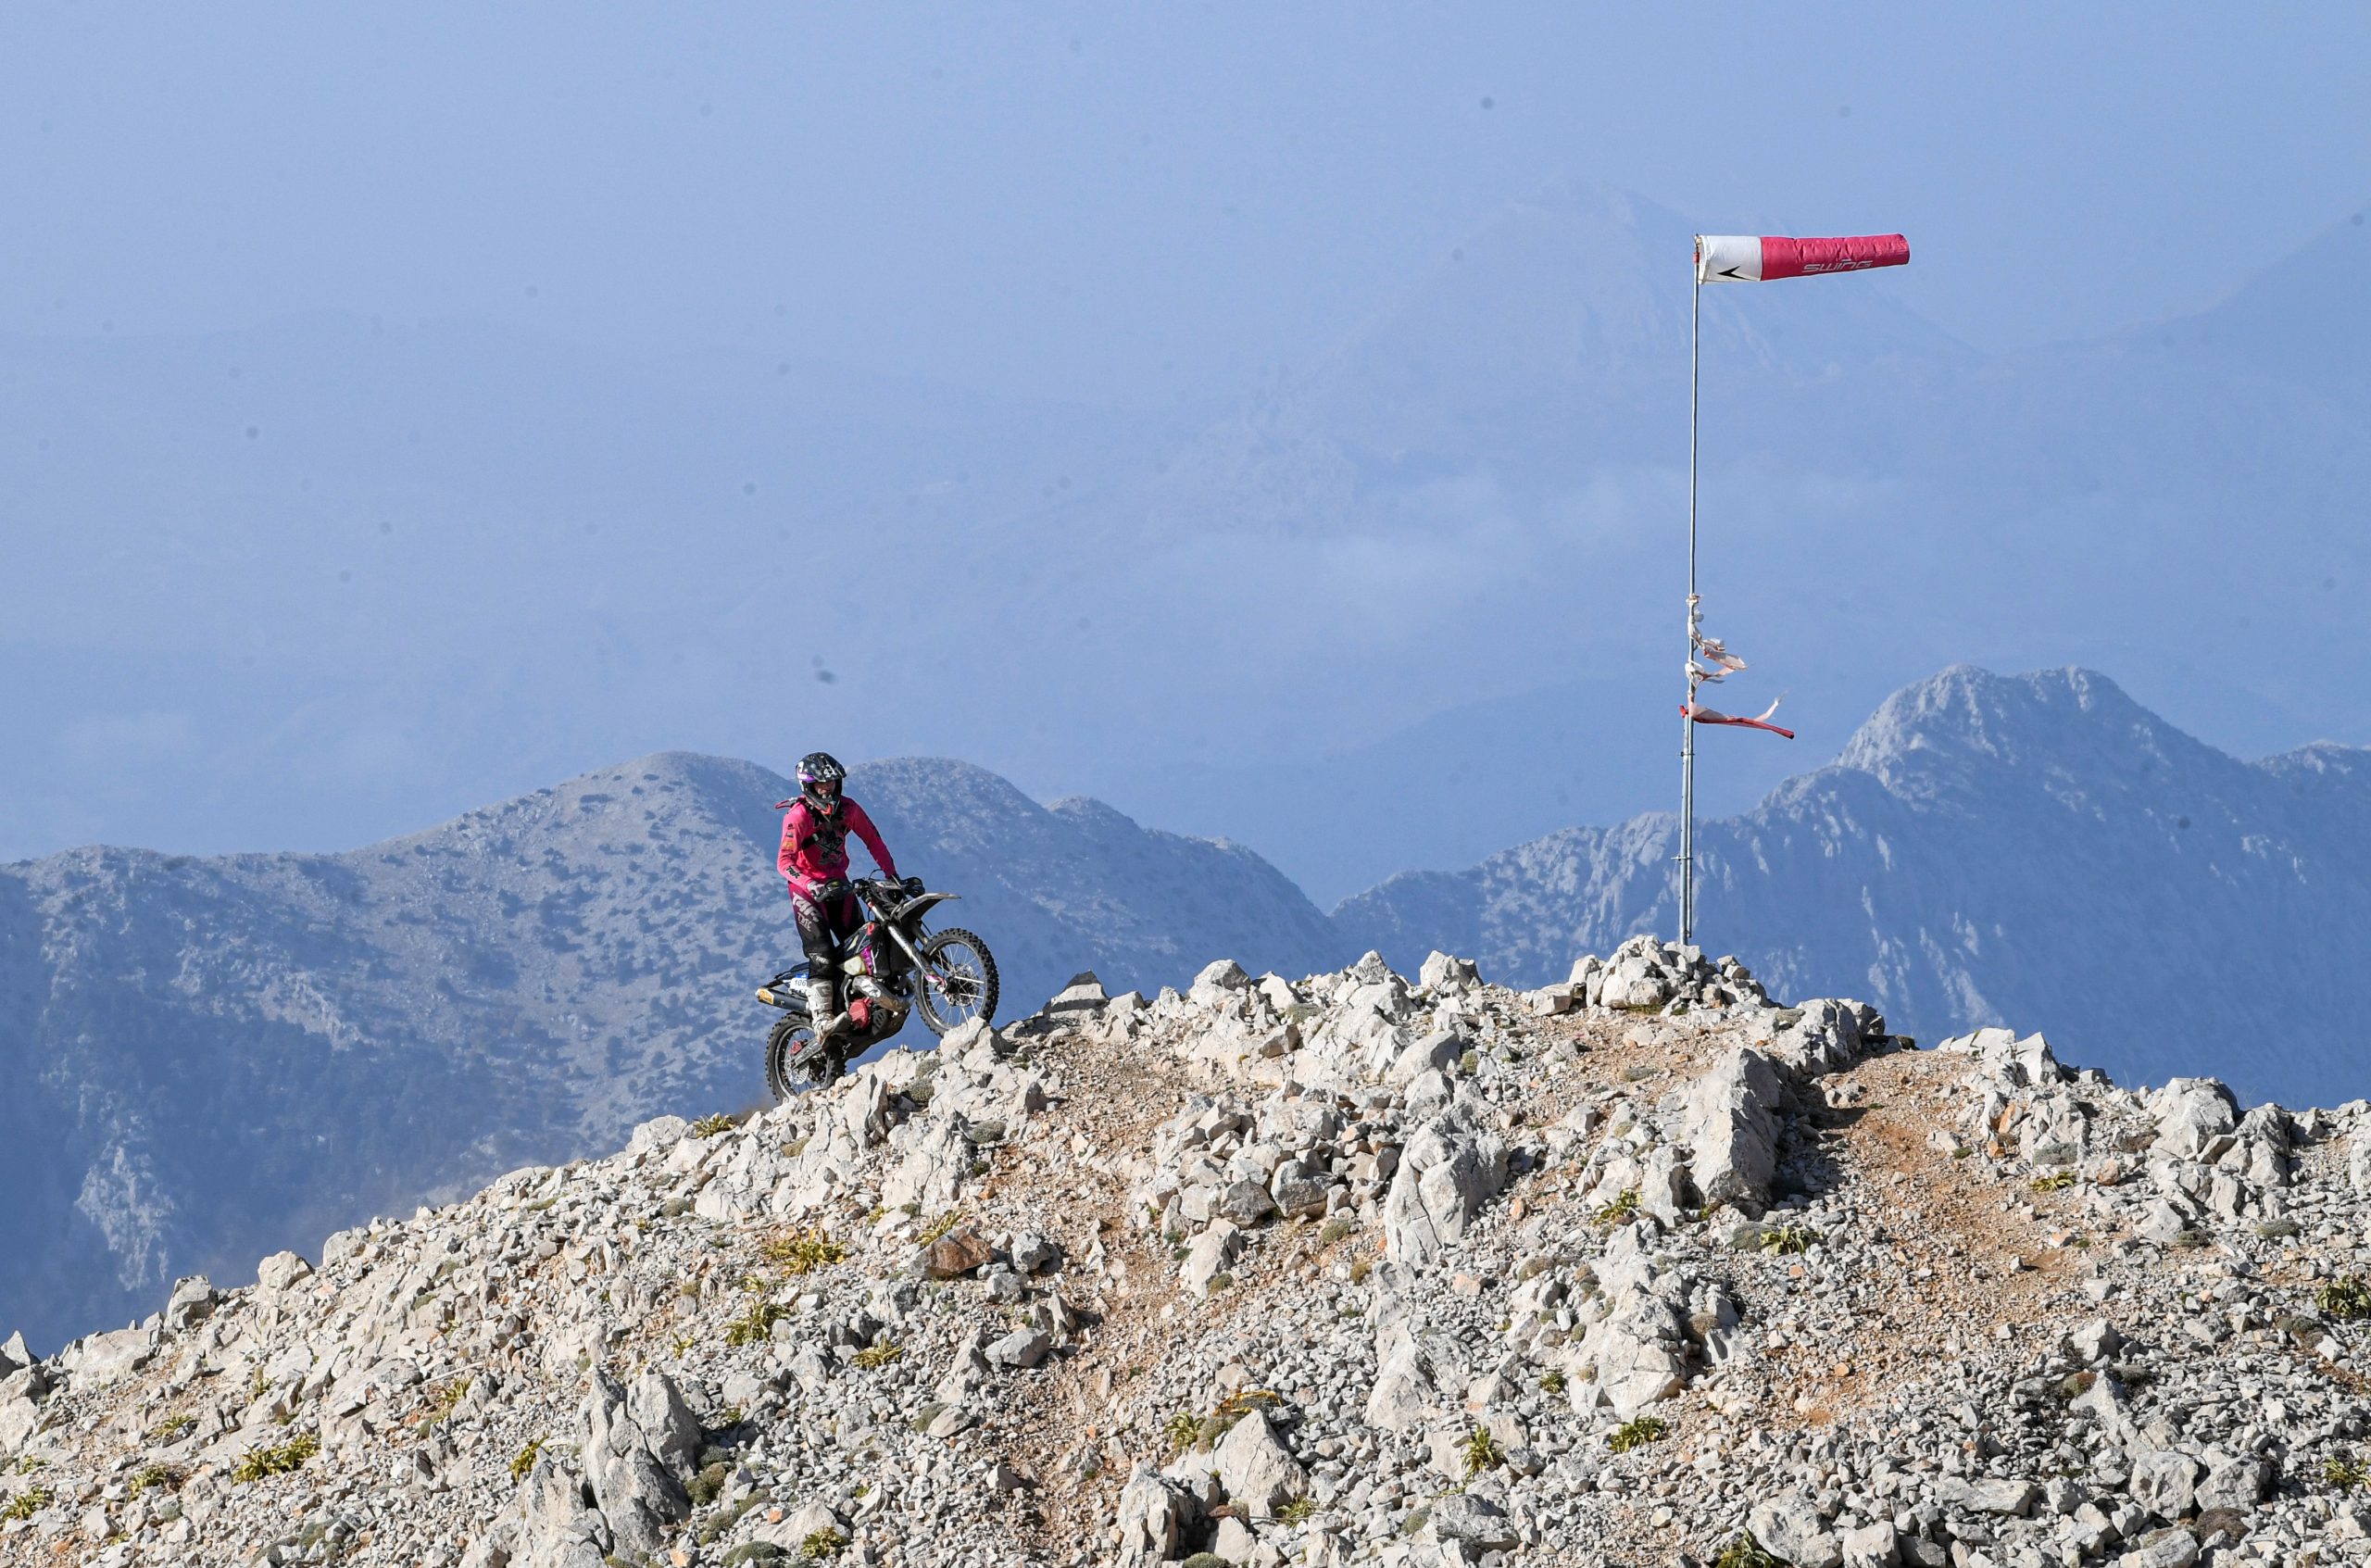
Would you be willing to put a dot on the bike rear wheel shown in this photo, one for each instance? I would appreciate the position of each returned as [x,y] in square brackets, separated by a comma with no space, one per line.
[795,1062]
[959,981]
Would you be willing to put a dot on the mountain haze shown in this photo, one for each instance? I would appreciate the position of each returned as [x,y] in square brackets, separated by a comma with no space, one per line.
[487,560]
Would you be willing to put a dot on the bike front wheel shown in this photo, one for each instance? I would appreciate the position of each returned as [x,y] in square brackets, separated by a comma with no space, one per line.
[959,981]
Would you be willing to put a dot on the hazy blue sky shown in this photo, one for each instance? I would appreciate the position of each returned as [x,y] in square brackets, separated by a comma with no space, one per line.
[1122,201]
[572,396]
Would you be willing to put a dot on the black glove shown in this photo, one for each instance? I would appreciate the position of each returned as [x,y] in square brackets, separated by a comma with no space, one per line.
[830,892]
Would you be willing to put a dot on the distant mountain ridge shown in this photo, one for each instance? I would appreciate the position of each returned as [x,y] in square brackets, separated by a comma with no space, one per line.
[210,1058]
[219,1055]
[1989,847]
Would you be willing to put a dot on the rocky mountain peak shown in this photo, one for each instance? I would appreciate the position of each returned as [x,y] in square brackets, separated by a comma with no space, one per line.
[1641,1265]
[1969,729]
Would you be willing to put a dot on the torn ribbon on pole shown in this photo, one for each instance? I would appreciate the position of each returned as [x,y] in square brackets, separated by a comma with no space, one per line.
[1715,653]
[1759,259]
[1704,715]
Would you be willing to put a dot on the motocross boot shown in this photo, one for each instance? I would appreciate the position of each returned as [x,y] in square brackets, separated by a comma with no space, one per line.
[827,1020]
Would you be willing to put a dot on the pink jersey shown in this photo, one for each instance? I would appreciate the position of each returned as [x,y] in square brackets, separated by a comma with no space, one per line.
[815,847]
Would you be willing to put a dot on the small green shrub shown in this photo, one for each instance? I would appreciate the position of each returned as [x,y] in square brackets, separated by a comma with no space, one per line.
[1554,1382]
[2343,1473]
[1786,1240]
[2346,1299]
[1482,1451]
[873,1357]
[802,1252]
[708,1485]
[822,1545]
[1622,1211]
[756,1325]
[173,1428]
[441,1403]
[1298,1511]
[1746,1552]
[524,1461]
[156,1477]
[1637,1432]
[941,1225]
[26,1503]
[1335,1230]
[2057,1180]
[279,1459]
[1180,1431]
[709,1126]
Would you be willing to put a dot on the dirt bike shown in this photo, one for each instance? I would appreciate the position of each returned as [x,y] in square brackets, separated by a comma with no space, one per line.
[886,969]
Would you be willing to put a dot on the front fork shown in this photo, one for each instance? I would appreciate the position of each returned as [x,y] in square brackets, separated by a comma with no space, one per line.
[913,952]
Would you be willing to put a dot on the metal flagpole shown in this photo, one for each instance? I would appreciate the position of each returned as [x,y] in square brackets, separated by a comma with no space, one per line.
[1688,714]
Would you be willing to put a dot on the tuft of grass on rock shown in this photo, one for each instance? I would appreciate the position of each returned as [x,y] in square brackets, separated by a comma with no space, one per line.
[822,1545]
[708,1485]
[156,1477]
[941,1225]
[1181,1432]
[2343,1473]
[1786,1240]
[1746,1552]
[1298,1511]
[1334,1229]
[1554,1382]
[26,1503]
[710,1126]
[1622,1211]
[1482,1451]
[2057,1180]
[2346,1298]
[278,1458]
[524,1461]
[441,1403]
[756,1325]
[1637,1432]
[873,1357]
[803,1251]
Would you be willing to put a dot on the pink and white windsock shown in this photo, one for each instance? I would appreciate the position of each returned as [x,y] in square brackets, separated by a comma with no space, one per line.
[1757,258]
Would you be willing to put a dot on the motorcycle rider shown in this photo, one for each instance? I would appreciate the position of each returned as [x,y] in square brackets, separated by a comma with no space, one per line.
[814,860]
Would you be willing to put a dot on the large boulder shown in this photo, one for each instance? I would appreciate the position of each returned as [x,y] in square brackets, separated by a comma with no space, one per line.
[1791,1529]
[1259,1473]
[1730,1124]
[639,1446]
[1154,1516]
[1452,1166]
[560,1527]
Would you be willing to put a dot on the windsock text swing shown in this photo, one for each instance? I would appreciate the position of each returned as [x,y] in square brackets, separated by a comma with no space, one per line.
[1739,258]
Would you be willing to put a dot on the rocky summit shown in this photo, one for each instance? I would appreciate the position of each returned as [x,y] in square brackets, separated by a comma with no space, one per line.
[1641,1267]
